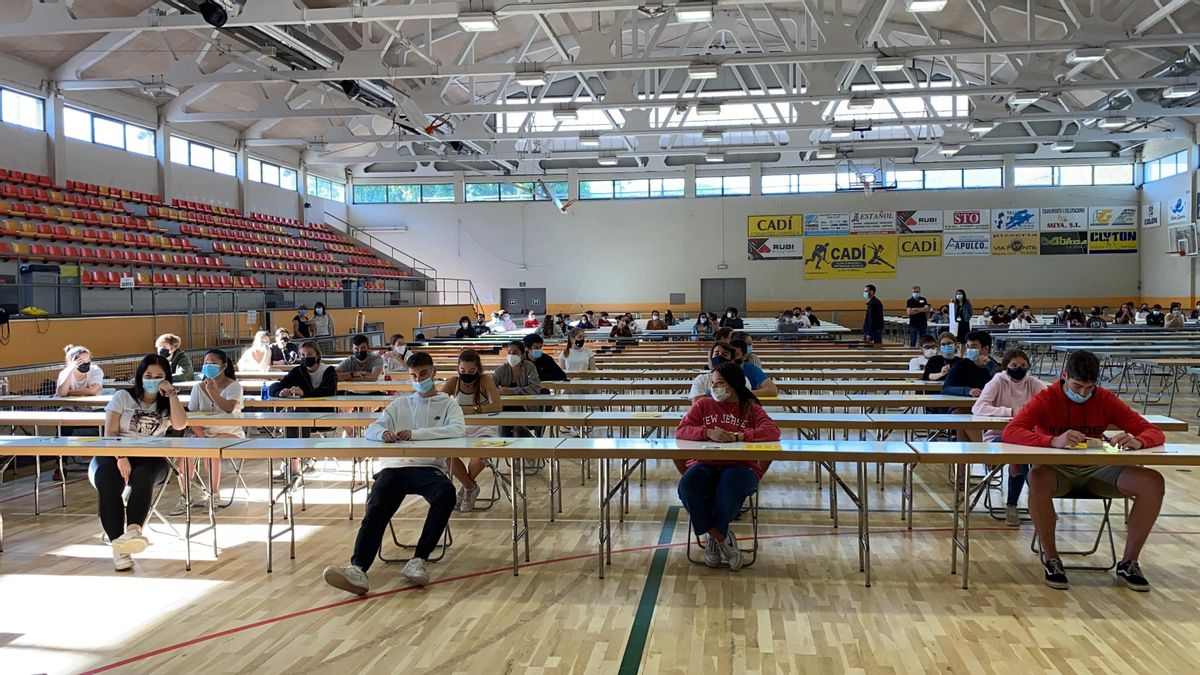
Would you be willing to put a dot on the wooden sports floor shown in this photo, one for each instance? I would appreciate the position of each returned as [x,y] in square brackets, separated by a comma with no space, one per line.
[801,608]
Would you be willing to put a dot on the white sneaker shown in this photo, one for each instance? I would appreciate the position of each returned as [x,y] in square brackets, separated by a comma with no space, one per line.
[731,552]
[349,578]
[133,541]
[458,498]
[180,507]
[416,572]
[468,501]
[122,561]
[712,552]
[1012,517]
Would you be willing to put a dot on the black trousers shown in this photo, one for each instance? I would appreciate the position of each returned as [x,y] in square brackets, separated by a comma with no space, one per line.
[144,475]
[390,488]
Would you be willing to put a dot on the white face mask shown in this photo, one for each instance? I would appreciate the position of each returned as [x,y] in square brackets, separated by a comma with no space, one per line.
[958,296]
[400,349]
[722,394]
[916,294]
[929,352]
[514,360]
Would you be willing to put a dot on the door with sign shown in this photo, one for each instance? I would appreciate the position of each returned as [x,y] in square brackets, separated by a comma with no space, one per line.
[517,301]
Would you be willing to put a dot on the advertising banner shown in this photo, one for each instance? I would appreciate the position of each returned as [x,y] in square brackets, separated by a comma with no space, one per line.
[968,220]
[1112,241]
[775,248]
[775,226]
[1064,243]
[917,222]
[1015,243]
[1064,218]
[966,244]
[873,222]
[835,257]
[1151,215]
[1112,217]
[1179,210]
[920,245]
[823,224]
[1014,220]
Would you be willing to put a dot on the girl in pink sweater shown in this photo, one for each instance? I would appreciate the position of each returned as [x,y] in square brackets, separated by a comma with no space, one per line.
[713,491]
[1003,396]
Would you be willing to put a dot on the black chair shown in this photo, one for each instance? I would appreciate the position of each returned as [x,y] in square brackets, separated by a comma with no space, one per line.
[1105,529]
[752,507]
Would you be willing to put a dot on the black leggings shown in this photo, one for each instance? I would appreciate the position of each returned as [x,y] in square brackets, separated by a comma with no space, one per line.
[145,473]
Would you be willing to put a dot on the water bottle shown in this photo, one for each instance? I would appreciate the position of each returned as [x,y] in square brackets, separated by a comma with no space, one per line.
[266,392]
[3,386]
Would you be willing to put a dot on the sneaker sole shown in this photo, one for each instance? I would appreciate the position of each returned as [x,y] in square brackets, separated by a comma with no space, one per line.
[420,581]
[1134,587]
[129,546]
[124,568]
[341,582]
[1058,585]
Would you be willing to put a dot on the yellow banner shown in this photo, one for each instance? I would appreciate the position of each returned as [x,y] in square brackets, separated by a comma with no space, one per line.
[920,245]
[1112,241]
[1016,243]
[837,257]
[775,226]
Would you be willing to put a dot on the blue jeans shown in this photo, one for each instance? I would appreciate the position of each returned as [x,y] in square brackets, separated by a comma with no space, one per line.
[713,495]
[915,333]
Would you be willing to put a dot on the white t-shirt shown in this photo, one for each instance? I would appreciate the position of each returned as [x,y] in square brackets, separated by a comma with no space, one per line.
[577,360]
[701,385]
[917,363]
[94,375]
[138,419]
[200,402]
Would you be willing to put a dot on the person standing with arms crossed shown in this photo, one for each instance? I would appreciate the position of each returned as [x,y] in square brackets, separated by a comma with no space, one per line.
[873,322]
[918,311]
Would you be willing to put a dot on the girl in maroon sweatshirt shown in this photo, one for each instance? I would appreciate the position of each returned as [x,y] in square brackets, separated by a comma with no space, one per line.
[713,491]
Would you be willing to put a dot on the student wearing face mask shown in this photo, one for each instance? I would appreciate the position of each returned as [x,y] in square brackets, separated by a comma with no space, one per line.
[1021,321]
[1155,317]
[786,323]
[1095,319]
[1124,315]
[713,491]
[465,330]
[362,365]
[669,318]
[283,352]
[79,377]
[743,336]
[480,327]
[1196,312]
[1175,319]
[960,311]
[917,308]
[257,357]
[758,380]
[506,322]
[426,414]
[476,394]
[322,326]
[309,379]
[929,349]
[655,323]
[547,326]
[939,365]
[585,322]
[621,330]
[813,321]
[219,393]
[547,368]
[873,320]
[575,356]
[1142,313]
[302,323]
[517,376]
[146,410]
[1003,396]
[1065,415]
[731,319]
[720,352]
[702,329]
[531,320]
[395,358]
[970,374]
[167,345]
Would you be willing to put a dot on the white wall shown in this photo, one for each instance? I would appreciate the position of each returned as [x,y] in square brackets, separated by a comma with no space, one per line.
[639,251]
[102,165]
[263,198]
[199,185]
[1165,278]
[24,149]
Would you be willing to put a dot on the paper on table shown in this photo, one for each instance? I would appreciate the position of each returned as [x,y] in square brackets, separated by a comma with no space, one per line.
[647,414]
[763,446]
[491,444]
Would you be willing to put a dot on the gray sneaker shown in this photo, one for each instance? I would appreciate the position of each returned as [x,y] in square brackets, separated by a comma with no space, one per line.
[122,562]
[349,578]
[469,496]
[731,552]
[416,572]
[1012,517]
[131,542]
[458,498]
[712,552]
[180,508]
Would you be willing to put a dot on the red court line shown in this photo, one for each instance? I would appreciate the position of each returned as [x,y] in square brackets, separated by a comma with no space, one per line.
[499,570]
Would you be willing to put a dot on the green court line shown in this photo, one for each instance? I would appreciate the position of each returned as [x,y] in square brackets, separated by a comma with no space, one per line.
[631,661]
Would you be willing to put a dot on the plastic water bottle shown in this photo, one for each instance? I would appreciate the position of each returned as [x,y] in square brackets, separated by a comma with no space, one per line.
[266,392]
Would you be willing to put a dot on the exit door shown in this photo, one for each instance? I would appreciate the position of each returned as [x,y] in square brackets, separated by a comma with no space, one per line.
[717,294]
[517,301]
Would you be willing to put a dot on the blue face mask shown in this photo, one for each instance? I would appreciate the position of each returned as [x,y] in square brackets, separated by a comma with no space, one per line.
[972,354]
[150,386]
[1075,398]
[716,361]
[537,353]
[210,370]
[947,350]
[749,349]
[423,386]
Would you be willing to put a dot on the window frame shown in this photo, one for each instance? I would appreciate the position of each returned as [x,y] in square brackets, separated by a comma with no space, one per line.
[14,98]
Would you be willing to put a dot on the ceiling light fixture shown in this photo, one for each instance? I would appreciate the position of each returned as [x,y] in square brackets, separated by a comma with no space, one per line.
[284,36]
[1024,98]
[702,71]
[841,131]
[825,152]
[890,64]
[531,78]
[712,136]
[949,149]
[698,11]
[1115,122]
[919,6]
[1064,146]
[589,141]
[1086,55]
[980,127]
[1181,91]
[708,109]
[566,114]
[861,103]
[714,157]
[607,160]
[478,22]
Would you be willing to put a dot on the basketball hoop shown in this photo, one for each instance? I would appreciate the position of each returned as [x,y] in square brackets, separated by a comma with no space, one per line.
[566,205]
[437,123]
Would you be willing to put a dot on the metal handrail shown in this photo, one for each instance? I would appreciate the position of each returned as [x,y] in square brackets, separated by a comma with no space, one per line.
[394,253]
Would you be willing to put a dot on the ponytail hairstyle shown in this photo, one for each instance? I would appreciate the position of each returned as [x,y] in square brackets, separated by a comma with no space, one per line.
[471,356]
[575,332]
[226,362]
[72,351]
[736,379]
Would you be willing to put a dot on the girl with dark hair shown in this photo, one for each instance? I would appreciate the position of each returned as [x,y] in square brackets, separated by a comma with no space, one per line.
[465,330]
[218,393]
[477,393]
[548,326]
[713,491]
[961,306]
[147,409]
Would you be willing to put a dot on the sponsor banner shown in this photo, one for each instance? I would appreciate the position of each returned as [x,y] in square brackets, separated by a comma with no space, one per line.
[1015,243]
[775,226]
[1064,243]
[873,222]
[967,220]
[920,245]
[1014,220]
[1064,218]
[834,257]
[966,244]
[1112,217]
[916,222]
[824,224]
[1179,210]
[1151,215]
[1113,241]
[775,248]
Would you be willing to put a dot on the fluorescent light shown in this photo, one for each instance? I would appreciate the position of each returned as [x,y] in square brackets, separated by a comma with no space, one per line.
[290,41]
[861,103]
[531,78]
[980,127]
[714,157]
[478,22]
[949,149]
[702,72]
[826,153]
[1086,55]
[1114,122]
[566,114]
[694,12]
[917,6]
[890,64]
[589,141]
[376,91]
[840,131]
[607,161]
[1023,98]
[712,136]
[708,109]
[1064,146]
[1181,91]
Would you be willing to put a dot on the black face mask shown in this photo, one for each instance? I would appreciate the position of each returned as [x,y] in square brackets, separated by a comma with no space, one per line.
[578,343]
[164,352]
[362,356]
[469,378]
[309,361]
[1018,374]
[84,367]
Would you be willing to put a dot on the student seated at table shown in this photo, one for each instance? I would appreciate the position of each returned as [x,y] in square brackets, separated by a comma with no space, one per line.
[79,377]
[813,321]
[480,327]
[1155,317]
[970,374]
[669,317]
[167,345]
[362,365]
[531,320]
[584,322]
[604,321]
[257,357]
[712,491]
[310,379]
[506,322]
[465,330]
[702,329]
[283,351]
[1196,312]
[929,349]
[940,364]
[1124,315]
[720,352]
[1175,318]
[476,393]
[547,368]
[760,383]
[732,320]
[426,414]
[786,323]
[723,335]
[395,359]
[1064,415]
[1142,313]
[218,393]
[1022,321]
[1009,390]
[751,357]
[145,410]
[575,356]
[1095,319]
[655,323]
[517,376]
[550,327]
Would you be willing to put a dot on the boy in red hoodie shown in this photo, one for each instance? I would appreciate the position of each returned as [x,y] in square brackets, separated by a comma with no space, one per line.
[713,491]
[1064,415]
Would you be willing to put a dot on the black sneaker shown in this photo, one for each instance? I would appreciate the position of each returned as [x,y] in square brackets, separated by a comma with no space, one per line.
[1131,573]
[1056,576]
